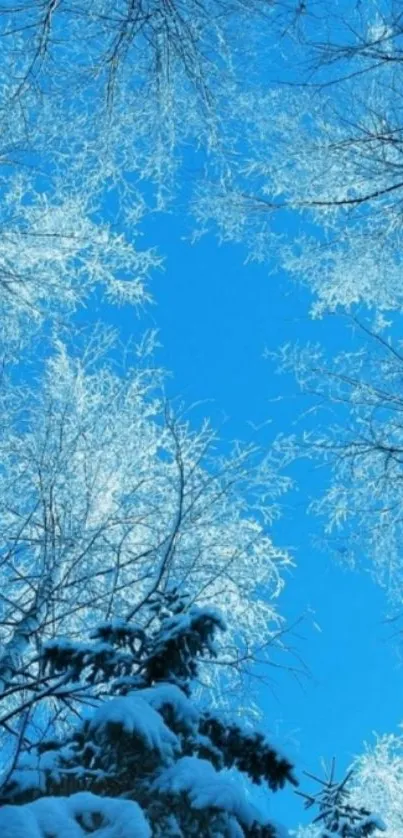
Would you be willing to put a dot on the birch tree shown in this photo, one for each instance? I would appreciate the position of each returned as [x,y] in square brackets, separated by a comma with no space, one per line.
[99,106]
[107,498]
[355,401]
[322,158]
[378,778]
[97,40]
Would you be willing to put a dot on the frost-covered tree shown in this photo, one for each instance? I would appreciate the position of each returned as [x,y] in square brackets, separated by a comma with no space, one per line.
[107,498]
[322,158]
[339,816]
[54,254]
[376,784]
[99,104]
[107,41]
[355,400]
[145,760]
[378,778]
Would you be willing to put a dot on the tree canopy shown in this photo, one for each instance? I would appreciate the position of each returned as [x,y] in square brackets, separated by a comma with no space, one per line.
[139,570]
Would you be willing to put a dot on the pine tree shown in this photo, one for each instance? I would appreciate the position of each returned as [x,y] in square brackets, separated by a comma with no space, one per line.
[338,816]
[145,741]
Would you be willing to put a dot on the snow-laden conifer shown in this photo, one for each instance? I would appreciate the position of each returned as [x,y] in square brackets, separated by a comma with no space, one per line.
[145,758]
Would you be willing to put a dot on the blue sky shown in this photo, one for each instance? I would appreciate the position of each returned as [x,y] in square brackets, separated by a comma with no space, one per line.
[215,317]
